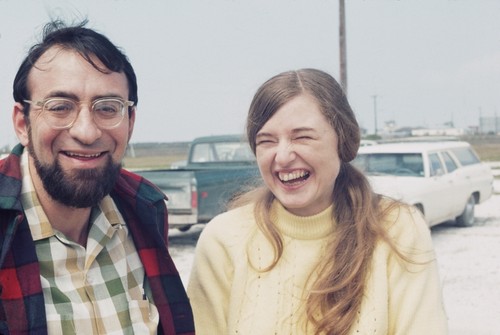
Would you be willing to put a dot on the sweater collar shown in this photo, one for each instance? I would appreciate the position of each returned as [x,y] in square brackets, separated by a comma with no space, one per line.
[303,227]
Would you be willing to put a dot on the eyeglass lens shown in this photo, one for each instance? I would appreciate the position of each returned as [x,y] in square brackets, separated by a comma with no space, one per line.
[61,113]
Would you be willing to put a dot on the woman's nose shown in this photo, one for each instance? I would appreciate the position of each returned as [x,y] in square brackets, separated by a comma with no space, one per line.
[285,153]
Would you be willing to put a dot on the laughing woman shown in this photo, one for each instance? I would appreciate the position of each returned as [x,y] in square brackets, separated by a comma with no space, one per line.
[314,250]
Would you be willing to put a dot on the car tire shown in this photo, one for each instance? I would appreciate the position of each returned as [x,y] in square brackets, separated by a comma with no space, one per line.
[466,219]
[184,228]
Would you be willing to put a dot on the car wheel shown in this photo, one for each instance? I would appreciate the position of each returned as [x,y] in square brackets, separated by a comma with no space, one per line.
[184,228]
[466,219]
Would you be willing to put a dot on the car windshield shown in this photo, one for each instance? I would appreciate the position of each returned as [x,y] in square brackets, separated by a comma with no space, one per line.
[222,152]
[397,164]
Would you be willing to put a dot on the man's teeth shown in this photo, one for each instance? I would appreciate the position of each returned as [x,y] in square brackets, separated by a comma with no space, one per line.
[72,154]
[292,175]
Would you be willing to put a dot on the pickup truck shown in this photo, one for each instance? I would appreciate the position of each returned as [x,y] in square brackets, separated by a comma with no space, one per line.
[444,179]
[217,169]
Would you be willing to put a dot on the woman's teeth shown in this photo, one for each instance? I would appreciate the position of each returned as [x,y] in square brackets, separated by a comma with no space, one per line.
[292,175]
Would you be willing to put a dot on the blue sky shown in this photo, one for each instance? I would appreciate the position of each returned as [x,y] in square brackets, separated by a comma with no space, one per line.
[199,62]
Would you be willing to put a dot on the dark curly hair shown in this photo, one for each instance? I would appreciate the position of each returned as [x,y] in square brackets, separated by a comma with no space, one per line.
[88,43]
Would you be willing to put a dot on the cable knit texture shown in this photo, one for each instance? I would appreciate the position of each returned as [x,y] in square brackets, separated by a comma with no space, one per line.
[230,293]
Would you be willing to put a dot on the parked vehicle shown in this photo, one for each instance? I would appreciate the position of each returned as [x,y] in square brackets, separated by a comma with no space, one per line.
[217,168]
[444,180]
[364,143]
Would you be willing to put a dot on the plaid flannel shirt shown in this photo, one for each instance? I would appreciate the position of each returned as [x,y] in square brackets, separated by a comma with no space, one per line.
[22,306]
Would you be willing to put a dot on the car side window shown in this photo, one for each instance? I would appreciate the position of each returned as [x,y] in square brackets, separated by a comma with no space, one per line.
[202,152]
[435,165]
[466,156]
[449,162]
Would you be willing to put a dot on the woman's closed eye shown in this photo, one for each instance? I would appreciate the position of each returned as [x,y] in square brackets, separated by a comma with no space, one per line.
[264,140]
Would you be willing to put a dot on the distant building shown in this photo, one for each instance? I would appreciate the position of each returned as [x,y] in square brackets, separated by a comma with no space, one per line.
[392,130]
[439,132]
[489,125]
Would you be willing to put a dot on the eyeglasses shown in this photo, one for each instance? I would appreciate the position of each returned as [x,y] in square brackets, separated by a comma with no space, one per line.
[61,113]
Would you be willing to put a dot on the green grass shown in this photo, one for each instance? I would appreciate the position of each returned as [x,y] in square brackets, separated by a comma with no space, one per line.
[162,155]
[151,162]
[488,152]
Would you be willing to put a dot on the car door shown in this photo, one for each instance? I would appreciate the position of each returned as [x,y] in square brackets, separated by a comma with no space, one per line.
[459,192]
[476,176]
[439,202]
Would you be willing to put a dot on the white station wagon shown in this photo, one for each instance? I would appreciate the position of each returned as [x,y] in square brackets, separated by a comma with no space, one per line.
[444,180]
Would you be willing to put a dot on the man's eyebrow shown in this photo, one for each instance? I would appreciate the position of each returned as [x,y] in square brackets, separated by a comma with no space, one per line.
[62,94]
[72,96]
[109,95]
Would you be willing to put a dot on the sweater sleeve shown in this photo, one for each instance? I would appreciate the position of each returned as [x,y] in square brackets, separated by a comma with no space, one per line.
[415,295]
[210,280]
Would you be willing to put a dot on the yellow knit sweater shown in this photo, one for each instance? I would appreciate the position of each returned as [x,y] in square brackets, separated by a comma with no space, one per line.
[230,296]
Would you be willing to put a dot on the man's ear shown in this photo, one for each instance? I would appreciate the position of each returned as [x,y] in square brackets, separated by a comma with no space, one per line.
[131,122]
[20,123]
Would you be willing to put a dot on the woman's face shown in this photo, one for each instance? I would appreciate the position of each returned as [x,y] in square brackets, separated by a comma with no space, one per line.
[296,152]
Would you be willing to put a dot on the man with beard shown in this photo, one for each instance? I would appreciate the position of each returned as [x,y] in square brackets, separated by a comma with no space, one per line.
[83,243]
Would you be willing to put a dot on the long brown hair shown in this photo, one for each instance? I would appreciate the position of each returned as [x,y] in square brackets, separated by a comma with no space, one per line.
[338,290]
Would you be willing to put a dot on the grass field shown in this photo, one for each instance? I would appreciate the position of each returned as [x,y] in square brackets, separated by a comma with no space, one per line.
[151,162]
[162,155]
[489,152]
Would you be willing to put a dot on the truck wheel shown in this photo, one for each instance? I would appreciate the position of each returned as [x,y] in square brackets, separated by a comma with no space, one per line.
[184,228]
[466,219]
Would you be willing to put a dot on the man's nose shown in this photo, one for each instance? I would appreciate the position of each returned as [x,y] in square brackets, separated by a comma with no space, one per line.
[84,128]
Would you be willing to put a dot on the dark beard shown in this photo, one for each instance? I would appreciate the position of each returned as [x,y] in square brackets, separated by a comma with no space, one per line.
[85,188]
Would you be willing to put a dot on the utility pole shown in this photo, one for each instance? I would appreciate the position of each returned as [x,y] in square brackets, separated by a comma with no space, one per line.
[375,111]
[342,46]
[480,120]
[496,122]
